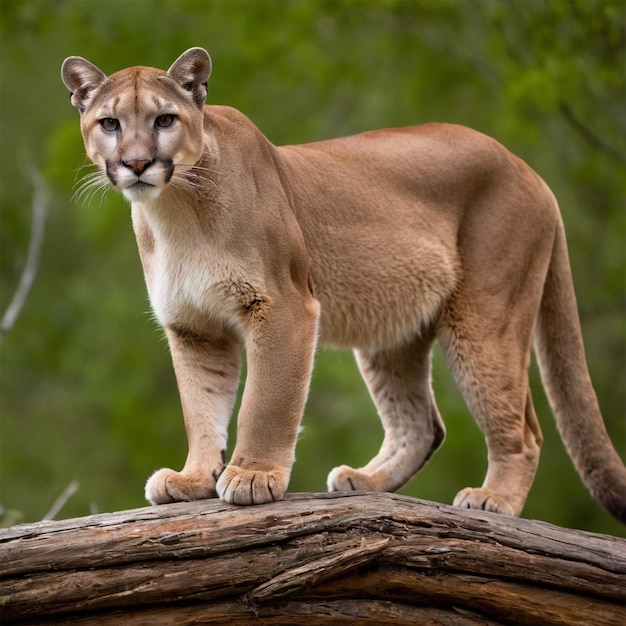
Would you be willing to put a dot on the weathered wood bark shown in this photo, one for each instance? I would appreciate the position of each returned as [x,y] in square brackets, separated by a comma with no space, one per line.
[310,559]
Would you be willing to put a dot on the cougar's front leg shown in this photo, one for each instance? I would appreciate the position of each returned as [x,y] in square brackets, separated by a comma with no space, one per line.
[207,368]
[280,344]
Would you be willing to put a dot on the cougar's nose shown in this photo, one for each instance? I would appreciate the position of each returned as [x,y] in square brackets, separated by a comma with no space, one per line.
[138,166]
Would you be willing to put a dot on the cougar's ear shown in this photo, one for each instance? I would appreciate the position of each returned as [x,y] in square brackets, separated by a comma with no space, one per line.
[81,77]
[191,70]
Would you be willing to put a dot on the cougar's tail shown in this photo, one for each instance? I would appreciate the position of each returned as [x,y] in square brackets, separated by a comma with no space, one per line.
[561,357]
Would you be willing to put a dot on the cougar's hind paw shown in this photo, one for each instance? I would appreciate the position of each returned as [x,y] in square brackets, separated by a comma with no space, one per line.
[345,478]
[166,485]
[485,500]
[251,486]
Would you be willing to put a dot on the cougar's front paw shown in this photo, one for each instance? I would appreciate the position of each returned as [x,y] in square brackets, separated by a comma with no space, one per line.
[485,500]
[249,486]
[345,478]
[166,485]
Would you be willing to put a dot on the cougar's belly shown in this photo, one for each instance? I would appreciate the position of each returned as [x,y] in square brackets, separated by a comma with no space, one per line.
[382,294]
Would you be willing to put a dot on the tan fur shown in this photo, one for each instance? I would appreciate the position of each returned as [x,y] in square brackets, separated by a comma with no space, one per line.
[380,242]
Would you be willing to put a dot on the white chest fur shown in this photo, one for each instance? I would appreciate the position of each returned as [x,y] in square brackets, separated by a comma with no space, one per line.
[189,281]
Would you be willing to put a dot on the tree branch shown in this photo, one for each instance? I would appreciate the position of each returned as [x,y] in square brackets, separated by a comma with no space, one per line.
[61,501]
[596,141]
[311,559]
[40,201]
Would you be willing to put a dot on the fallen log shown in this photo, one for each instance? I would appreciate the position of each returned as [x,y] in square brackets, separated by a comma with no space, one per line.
[331,558]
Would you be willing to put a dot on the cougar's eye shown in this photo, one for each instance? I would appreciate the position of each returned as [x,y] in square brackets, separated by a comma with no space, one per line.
[110,124]
[164,121]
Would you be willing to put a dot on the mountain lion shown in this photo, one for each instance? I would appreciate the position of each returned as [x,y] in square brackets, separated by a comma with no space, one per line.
[379,242]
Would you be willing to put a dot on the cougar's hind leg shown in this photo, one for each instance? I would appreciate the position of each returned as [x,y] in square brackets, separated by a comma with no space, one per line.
[489,354]
[399,383]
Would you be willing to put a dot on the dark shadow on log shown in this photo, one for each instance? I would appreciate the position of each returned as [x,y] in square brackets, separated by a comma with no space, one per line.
[311,559]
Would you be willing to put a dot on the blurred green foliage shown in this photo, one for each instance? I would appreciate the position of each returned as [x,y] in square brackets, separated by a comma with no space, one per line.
[87,389]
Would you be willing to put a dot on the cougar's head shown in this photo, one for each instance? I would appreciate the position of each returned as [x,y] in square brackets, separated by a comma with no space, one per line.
[141,126]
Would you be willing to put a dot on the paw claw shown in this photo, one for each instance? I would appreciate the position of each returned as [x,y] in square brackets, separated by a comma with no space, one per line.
[485,500]
[242,486]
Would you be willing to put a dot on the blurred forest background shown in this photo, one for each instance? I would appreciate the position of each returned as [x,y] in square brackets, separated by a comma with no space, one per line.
[87,389]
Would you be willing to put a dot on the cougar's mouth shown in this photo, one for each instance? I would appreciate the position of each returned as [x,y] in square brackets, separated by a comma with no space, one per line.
[140,185]
[140,180]
[141,190]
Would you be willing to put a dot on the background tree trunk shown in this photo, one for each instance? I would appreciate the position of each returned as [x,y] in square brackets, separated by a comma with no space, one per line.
[310,559]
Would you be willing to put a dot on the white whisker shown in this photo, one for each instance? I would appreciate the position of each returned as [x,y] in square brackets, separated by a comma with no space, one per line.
[193,178]
[90,185]
[184,182]
[196,167]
